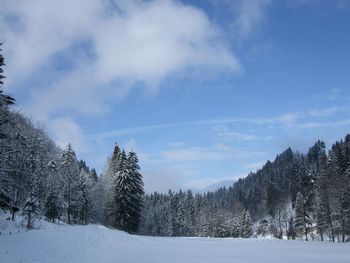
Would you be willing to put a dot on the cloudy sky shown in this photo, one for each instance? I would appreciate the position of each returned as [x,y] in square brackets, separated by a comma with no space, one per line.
[203,91]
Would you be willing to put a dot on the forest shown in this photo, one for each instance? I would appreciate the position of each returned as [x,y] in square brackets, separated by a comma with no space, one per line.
[298,195]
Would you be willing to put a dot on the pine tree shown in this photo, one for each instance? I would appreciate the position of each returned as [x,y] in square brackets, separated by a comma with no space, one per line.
[122,196]
[302,217]
[247,225]
[70,176]
[136,192]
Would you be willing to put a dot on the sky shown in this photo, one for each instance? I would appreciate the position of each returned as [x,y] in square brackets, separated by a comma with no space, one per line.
[203,91]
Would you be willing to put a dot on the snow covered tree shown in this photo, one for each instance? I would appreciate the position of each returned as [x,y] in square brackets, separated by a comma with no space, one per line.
[246,224]
[123,197]
[84,204]
[31,209]
[108,183]
[70,176]
[136,191]
[302,217]
[263,228]
[53,202]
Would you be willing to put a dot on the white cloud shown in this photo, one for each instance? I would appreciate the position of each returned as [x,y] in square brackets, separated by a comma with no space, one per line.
[250,16]
[127,42]
[65,131]
[105,48]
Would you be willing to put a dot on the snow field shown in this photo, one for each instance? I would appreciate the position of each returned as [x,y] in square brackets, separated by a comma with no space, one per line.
[95,243]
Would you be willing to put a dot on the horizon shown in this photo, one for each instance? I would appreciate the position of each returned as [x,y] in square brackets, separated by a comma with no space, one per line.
[202,91]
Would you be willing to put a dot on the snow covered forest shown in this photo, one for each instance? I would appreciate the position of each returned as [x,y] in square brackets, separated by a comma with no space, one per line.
[305,196]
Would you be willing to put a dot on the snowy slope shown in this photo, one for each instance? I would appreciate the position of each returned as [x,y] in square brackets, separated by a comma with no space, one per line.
[94,243]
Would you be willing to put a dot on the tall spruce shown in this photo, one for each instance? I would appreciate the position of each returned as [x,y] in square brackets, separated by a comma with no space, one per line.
[70,183]
[136,191]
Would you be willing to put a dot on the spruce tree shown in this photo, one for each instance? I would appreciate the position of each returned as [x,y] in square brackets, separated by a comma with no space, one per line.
[123,196]
[302,217]
[70,183]
[247,225]
[136,192]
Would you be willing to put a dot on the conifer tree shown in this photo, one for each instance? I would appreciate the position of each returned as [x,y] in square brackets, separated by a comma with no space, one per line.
[136,192]
[302,217]
[122,196]
[247,225]
[70,176]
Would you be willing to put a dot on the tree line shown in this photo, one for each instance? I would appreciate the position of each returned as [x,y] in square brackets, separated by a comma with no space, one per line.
[295,196]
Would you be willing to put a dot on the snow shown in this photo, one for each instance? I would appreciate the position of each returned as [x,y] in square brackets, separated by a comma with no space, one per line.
[95,243]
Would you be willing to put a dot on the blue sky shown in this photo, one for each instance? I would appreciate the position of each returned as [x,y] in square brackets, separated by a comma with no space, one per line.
[203,91]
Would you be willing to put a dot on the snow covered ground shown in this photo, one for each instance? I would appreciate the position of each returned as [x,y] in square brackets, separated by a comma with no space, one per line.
[94,243]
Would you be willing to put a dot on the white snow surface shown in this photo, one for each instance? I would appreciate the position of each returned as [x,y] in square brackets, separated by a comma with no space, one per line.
[95,243]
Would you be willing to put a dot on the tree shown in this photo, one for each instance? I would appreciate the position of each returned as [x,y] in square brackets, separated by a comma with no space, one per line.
[291,229]
[137,192]
[31,208]
[109,186]
[247,225]
[324,220]
[70,176]
[263,228]
[302,217]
